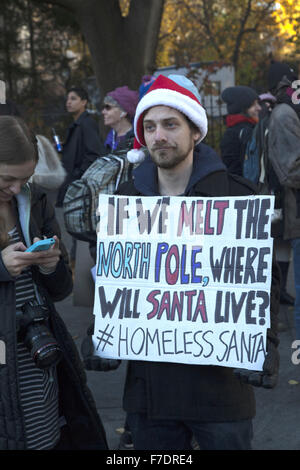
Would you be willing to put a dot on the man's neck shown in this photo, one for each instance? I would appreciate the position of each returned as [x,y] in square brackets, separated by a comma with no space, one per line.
[77,115]
[173,182]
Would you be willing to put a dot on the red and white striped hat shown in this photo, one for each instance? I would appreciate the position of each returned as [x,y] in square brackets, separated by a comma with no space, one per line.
[175,91]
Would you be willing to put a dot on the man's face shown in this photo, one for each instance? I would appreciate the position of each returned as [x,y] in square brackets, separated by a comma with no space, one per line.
[169,137]
[13,177]
[74,104]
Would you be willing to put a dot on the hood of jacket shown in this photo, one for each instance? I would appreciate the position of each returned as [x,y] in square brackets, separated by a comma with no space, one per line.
[206,161]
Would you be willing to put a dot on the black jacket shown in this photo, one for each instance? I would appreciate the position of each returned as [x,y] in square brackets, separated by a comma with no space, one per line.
[180,391]
[81,148]
[75,400]
[233,146]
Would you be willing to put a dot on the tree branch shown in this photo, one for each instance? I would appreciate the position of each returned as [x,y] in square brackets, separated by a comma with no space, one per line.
[243,30]
[204,21]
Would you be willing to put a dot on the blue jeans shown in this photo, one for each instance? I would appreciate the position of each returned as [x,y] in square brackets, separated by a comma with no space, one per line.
[296,260]
[148,434]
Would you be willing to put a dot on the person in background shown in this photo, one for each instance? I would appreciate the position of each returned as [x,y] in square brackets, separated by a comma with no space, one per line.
[267,102]
[169,403]
[118,112]
[81,147]
[44,400]
[243,113]
[283,140]
[83,143]
[282,247]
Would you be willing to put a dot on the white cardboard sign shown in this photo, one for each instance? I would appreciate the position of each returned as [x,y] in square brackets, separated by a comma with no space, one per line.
[184,279]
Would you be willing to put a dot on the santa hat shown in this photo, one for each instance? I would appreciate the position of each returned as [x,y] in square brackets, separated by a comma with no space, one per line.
[175,91]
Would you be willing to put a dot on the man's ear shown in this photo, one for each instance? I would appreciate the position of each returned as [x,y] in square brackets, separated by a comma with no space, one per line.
[196,135]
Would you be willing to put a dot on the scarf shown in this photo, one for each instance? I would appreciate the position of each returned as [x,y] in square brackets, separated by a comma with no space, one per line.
[233,119]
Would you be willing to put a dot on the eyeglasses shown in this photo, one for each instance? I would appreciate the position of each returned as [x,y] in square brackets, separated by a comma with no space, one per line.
[108,107]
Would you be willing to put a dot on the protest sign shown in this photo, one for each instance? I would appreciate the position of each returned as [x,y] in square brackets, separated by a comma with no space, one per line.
[184,279]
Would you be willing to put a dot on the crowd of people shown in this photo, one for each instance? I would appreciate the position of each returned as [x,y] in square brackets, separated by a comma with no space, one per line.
[246,109]
[45,401]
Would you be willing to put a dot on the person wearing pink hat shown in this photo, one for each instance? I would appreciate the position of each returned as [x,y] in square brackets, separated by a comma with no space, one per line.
[168,404]
[118,113]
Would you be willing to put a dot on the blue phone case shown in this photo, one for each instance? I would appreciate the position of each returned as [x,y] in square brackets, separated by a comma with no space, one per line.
[41,245]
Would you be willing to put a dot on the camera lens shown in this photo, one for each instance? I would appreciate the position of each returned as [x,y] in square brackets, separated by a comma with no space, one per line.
[42,346]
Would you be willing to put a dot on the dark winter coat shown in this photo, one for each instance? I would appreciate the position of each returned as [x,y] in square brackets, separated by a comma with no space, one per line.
[233,145]
[81,148]
[36,218]
[181,391]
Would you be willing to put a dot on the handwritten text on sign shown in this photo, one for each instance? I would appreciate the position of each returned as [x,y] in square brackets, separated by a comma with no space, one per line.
[184,279]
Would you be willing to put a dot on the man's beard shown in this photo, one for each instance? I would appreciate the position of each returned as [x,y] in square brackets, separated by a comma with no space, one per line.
[174,156]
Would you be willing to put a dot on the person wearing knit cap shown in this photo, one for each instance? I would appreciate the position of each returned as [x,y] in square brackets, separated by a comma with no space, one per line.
[168,403]
[243,113]
[118,113]
[284,153]
[277,72]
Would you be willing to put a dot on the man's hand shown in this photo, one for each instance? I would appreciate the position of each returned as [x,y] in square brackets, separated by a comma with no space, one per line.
[268,377]
[92,362]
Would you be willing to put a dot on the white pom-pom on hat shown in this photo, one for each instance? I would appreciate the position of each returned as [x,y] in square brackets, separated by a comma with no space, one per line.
[135,156]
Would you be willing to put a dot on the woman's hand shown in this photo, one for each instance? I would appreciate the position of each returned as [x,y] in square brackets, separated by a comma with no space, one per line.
[51,257]
[16,259]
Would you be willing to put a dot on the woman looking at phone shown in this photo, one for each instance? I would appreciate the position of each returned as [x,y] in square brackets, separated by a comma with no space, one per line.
[44,400]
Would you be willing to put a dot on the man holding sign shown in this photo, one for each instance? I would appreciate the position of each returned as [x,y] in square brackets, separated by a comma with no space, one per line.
[185,376]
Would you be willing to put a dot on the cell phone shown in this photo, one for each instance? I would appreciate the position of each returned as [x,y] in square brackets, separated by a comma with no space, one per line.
[41,245]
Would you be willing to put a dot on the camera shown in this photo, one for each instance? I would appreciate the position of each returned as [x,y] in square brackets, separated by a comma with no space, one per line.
[33,331]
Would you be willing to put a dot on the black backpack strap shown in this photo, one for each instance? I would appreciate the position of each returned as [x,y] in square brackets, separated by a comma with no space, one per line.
[128,189]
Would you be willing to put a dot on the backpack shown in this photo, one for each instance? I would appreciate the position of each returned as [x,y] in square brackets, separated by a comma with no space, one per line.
[255,154]
[81,199]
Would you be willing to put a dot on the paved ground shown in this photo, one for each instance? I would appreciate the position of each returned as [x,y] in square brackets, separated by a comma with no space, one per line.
[276,426]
